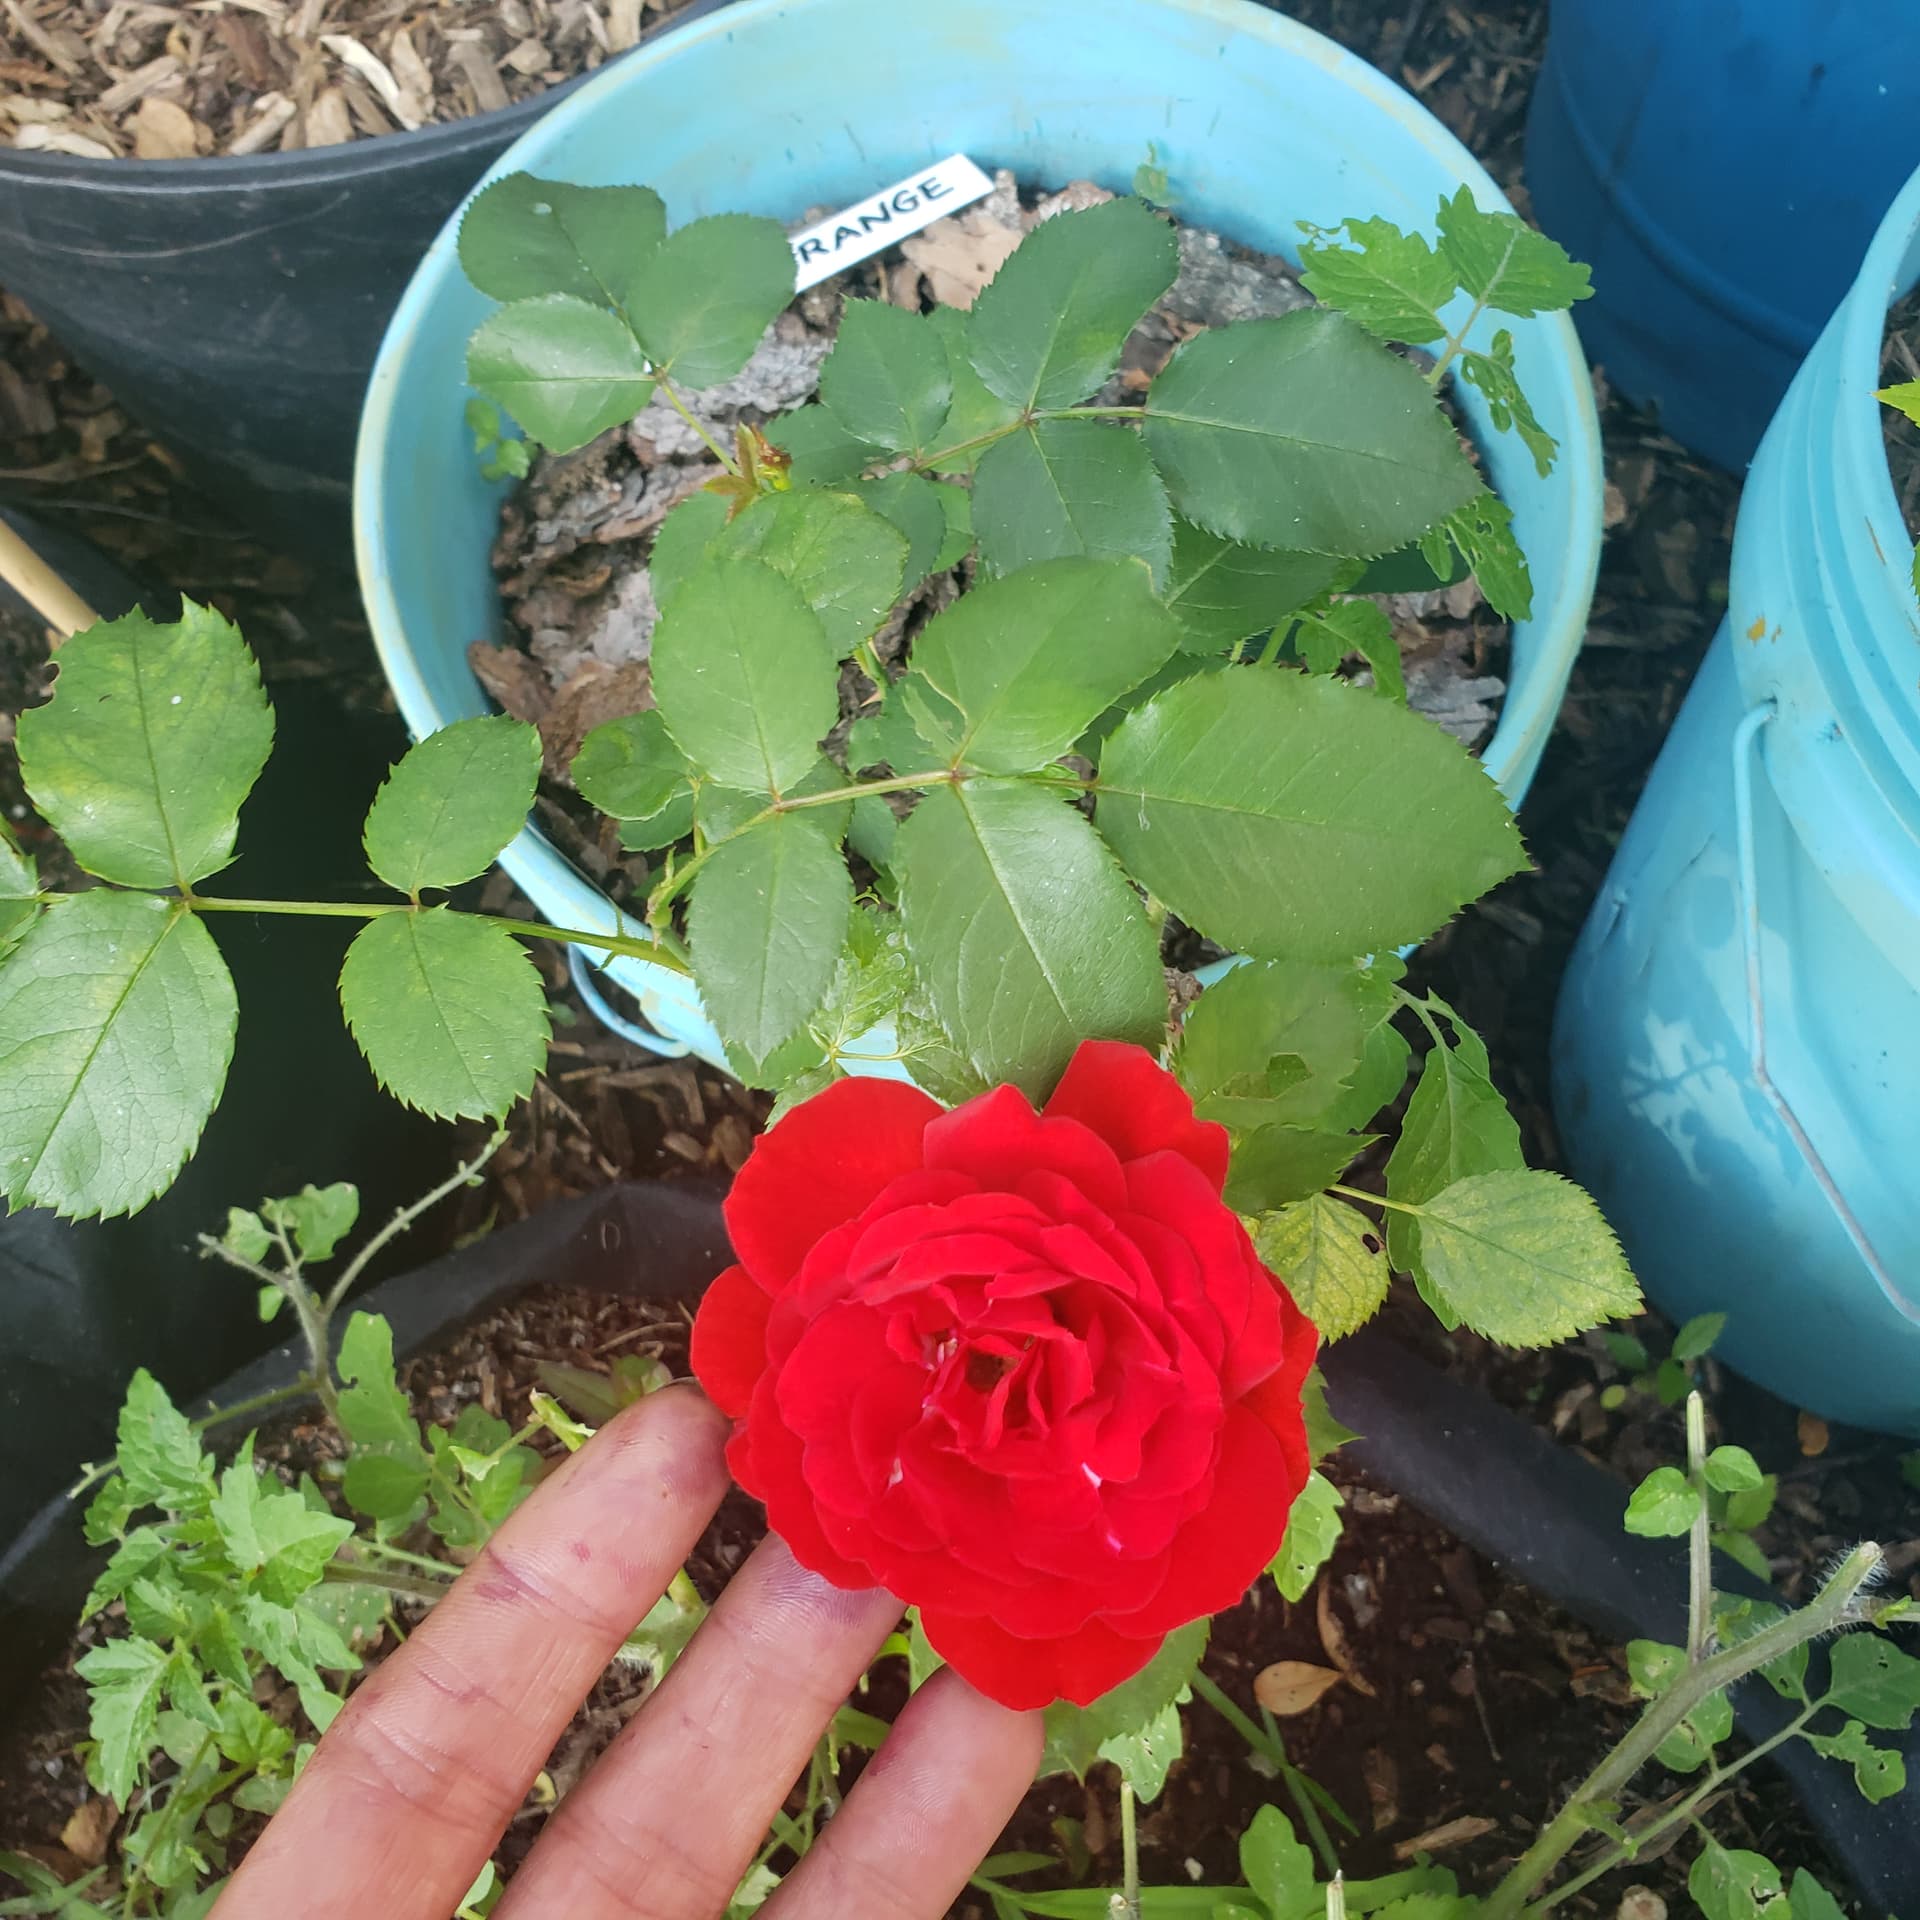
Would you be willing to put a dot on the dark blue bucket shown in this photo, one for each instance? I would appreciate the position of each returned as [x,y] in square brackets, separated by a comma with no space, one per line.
[1722,165]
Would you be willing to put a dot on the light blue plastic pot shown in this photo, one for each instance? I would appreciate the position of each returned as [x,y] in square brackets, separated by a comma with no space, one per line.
[777,105]
[1737,1049]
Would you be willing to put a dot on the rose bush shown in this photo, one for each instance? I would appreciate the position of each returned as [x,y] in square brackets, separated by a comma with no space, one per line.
[1022,1368]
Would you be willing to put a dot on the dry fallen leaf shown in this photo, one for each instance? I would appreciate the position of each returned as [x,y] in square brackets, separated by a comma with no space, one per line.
[85,1834]
[1454,1833]
[1813,1435]
[1333,1638]
[1292,1686]
[960,255]
[163,131]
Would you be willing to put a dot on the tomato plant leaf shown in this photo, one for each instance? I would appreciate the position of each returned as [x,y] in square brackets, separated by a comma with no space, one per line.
[1507,406]
[1060,487]
[1304,432]
[449,1011]
[1870,1679]
[117,1018]
[565,370]
[1524,1258]
[126,1680]
[1393,283]
[1506,264]
[744,674]
[767,925]
[523,237]
[1048,328]
[1030,660]
[319,1218]
[452,803]
[155,734]
[887,379]
[702,299]
[1024,933]
[1482,533]
[1281,814]
[1221,591]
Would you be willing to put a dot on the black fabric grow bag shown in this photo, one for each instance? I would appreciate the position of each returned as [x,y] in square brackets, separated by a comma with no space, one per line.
[1502,1485]
[235,306]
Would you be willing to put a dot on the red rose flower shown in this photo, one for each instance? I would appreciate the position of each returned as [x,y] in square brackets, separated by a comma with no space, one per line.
[1022,1368]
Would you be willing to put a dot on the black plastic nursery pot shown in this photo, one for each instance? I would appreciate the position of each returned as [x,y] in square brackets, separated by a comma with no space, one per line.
[1500,1484]
[235,305]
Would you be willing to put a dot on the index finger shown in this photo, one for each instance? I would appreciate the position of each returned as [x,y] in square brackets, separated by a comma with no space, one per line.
[414,1784]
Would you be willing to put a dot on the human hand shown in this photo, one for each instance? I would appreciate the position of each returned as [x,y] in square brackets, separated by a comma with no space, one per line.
[411,1789]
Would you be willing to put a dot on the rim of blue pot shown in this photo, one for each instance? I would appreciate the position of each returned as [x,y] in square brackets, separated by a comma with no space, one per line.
[670,999]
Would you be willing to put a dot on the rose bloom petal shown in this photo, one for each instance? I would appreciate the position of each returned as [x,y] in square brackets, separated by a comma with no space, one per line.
[1023,1369]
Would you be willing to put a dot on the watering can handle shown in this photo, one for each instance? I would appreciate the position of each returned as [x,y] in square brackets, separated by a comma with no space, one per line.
[1744,739]
[588,989]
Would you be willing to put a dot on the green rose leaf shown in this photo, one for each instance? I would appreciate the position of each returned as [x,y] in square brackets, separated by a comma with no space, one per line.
[523,237]
[1313,1531]
[1509,409]
[1030,660]
[823,449]
[976,411]
[1457,1124]
[1663,1505]
[1653,1666]
[449,1011]
[1062,487]
[1254,805]
[914,504]
[1024,933]
[767,923]
[452,803]
[1221,591]
[745,676]
[702,299]
[685,538]
[1809,1900]
[565,370]
[1393,283]
[1870,1679]
[848,561]
[1304,432]
[1048,328]
[19,891]
[117,1018]
[1506,265]
[1075,1735]
[125,1681]
[629,768]
[154,736]
[1524,1258]
[887,379]
[1276,1164]
[1331,1260]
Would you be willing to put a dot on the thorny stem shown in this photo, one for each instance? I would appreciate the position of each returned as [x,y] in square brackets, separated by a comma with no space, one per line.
[1275,1750]
[940,458]
[659,947]
[1833,1606]
[665,387]
[1619,1853]
[462,1175]
[1699,1538]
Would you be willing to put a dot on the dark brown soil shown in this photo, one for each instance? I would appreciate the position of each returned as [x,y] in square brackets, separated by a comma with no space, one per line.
[1470,1708]
[155,83]
[1899,364]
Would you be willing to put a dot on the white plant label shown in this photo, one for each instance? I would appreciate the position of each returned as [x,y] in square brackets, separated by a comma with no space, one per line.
[872,225]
